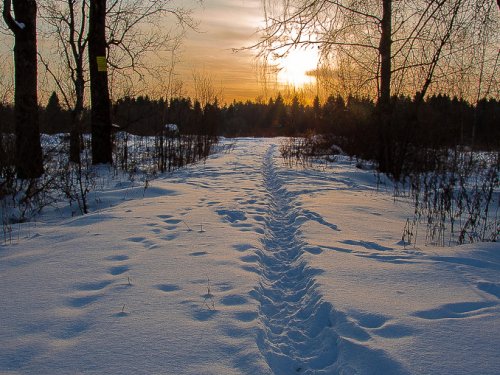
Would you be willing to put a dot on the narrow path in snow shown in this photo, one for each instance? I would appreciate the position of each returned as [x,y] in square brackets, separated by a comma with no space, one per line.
[297,334]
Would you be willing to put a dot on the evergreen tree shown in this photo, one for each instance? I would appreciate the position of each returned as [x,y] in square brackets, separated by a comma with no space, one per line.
[53,117]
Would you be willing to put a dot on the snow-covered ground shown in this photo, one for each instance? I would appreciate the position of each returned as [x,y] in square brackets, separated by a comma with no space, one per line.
[245,266]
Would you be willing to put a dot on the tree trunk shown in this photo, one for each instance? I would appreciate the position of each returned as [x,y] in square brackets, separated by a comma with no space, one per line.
[385,54]
[384,100]
[100,116]
[76,117]
[28,158]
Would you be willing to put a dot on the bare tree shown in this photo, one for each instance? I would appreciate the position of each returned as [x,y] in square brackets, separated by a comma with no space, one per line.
[205,90]
[29,163]
[67,20]
[420,36]
[394,47]
[100,114]
[166,81]
[143,39]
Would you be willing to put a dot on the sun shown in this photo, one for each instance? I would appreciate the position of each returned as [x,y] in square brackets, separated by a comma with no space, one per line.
[295,66]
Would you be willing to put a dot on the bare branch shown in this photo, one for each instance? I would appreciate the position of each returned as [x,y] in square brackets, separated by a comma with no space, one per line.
[56,80]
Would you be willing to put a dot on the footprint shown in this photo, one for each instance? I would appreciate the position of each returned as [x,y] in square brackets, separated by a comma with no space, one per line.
[243,225]
[491,288]
[233,300]
[79,302]
[250,258]
[164,216]
[136,239]
[453,310]
[73,330]
[173,221]
[204,314]
[117,258]
[15,358]
[259,218]
[224,286]
[198,253]
[252,269]
[168,287]
[148,244]
[243,247]
[118,270]
[369,320]
[202,310]
[246,316]
[92,286]
[170,237]
[315,250]
[394,331]
[232,216]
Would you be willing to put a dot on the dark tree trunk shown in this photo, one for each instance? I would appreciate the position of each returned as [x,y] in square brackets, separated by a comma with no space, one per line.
[75,138]
[28,158]
[100,116]
[76,117]
[385,54]
[78,43]
[384,100]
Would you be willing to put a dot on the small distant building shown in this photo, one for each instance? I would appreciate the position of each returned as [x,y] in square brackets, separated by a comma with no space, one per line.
[171,130]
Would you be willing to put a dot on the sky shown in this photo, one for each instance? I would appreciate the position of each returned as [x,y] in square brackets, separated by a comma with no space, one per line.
[223,26]
[226,25]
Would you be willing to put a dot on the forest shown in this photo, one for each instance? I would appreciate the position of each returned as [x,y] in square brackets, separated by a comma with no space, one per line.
[440,122]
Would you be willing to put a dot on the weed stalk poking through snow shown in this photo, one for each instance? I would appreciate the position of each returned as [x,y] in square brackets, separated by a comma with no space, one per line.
[209,301]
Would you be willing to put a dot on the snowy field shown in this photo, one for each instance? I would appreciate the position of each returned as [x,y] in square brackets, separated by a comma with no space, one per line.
[245,266]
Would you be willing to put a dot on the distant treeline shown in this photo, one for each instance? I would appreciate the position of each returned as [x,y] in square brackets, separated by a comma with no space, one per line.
[439,121]
[139,116]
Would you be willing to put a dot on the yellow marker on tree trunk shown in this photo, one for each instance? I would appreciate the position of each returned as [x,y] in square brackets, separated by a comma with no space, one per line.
[101,64]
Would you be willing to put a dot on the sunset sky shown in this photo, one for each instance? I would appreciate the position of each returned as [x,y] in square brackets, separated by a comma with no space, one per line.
[228,24]
[224,25]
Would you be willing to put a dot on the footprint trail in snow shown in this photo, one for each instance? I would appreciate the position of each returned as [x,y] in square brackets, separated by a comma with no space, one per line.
[296,334]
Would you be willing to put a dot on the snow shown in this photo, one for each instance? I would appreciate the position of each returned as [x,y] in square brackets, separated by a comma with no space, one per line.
[172,128]
[243,265]
[21,25]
